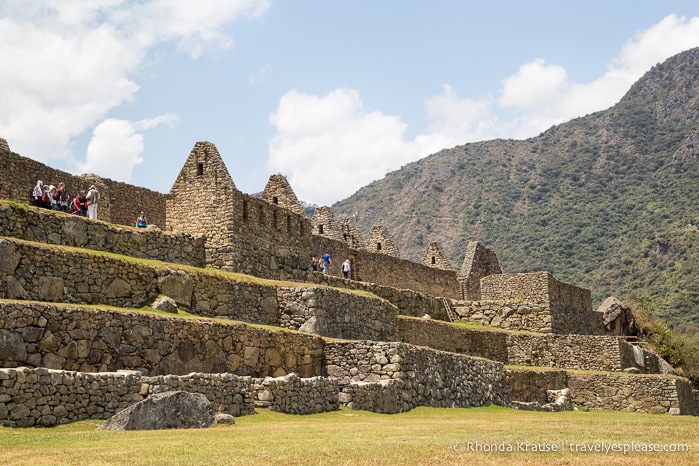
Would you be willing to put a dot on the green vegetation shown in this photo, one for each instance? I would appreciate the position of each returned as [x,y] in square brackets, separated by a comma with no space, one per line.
[679,349]
[421,436]
[607,202]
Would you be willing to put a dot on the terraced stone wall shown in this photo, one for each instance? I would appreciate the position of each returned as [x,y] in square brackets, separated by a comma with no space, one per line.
[655,394]
[119,202]
[39,225]
[587,352]
[88,340]
[425,377]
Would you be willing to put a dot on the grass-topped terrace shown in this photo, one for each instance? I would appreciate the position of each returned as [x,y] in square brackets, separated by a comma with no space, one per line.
[207,271]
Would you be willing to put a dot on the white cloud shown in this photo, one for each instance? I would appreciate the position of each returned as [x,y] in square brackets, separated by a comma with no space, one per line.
[330,146]
[116,146]
[66,64]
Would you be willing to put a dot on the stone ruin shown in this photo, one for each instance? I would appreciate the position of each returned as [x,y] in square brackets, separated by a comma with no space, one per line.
[68,352]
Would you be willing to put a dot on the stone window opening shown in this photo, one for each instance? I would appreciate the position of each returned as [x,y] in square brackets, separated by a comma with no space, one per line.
[378,246]
[320,229]
[275,200]
[434,260]
[344,235]
[200,169]
[245,210]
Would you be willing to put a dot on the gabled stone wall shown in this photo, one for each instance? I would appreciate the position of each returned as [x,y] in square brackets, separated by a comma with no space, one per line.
[435,257]
[381,242]
[479,262]
[278,192]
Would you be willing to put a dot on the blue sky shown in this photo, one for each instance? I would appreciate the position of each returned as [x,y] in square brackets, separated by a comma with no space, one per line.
[331,94]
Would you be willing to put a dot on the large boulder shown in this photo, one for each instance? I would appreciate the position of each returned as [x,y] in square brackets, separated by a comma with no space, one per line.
[168,410]
[177,285]
[617,318]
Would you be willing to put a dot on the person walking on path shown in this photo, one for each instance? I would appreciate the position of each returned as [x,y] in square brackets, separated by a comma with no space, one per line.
[92,197]
[326,263]
[346,268]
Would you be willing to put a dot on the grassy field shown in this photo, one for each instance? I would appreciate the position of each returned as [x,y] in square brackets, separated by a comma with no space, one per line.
[421,436]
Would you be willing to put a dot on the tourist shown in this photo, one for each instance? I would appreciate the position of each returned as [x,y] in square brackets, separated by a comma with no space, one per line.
[37,193]
[83,204]
[314,264]
[141,221]
[75,205]
[52,198]
[346,268]
[92,198]
[62,200]
[326,263]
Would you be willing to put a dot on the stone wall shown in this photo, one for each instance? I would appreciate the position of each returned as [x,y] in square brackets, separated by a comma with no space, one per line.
[587,352]
[654,394]
[89,340]
[119,202]
[229,393]
[42,226]
[327,312]
[530,386]
[243,234]
[294,395]
[445,337]
[506,314]
[44,397]
[387,270]
[408,302]
[381,242]
[479,262]
[533,301]
[426,377]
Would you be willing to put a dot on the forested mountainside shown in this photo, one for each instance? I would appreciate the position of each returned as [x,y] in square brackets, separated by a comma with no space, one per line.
[609,201]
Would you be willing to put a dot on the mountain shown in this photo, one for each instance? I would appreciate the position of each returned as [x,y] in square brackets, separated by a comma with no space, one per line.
[608,201]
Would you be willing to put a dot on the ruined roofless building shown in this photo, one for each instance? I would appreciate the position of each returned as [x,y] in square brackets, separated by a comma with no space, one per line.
[279,192]
[380,241]
[434,257]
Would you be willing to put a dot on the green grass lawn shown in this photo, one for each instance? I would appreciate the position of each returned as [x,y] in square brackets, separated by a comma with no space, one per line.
[421,436]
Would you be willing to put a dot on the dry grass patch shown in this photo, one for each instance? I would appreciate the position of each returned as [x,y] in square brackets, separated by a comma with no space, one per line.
[422,436]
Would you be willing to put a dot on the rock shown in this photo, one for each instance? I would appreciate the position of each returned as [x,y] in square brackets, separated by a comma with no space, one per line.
[118,289]
[316,325]
[166,304]
[177,285]
[14,289]
[616,317]
[75,231]
[10,258]
[638,357]
[225,419]
[51,289]
[169,410]
[12,347]
[632,370]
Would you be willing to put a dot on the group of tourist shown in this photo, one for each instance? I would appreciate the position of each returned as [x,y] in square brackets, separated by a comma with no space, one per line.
[324,263]
[56,198]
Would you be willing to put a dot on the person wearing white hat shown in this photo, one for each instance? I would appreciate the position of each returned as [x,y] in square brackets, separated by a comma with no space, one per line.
[92,199]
